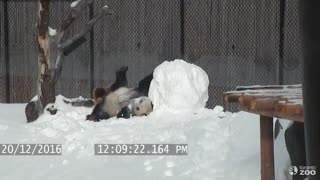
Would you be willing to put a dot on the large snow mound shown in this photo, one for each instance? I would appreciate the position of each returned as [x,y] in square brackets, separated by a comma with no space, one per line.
[178,85]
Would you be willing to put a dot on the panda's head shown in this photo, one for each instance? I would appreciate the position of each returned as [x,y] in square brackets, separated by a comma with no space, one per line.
[141,106]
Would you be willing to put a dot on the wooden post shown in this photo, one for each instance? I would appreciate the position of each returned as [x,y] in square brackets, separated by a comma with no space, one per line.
[267,152]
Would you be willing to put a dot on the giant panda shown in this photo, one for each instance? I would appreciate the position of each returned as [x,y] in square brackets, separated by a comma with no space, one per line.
[121,101]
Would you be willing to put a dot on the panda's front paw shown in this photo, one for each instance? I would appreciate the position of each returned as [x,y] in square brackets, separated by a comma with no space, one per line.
[124,113]
[92,118]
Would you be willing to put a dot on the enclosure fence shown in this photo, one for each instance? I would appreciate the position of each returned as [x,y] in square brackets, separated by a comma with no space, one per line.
[237,42]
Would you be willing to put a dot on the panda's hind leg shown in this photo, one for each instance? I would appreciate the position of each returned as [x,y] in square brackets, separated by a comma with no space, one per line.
[121,79]
[144,84]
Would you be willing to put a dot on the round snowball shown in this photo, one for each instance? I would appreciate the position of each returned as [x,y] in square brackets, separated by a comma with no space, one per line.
[179,85]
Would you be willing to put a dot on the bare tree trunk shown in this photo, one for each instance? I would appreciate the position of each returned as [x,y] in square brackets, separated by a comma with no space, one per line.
[45,83]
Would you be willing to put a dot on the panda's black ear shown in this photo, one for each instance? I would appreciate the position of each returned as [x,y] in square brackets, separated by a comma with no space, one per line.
[99,93]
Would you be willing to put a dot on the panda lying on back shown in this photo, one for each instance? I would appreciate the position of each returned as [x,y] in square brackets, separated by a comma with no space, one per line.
[121,101]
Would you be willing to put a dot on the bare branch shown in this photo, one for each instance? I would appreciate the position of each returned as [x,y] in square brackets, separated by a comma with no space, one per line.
[58,67]
[44,18]
[73,41]
[74,12]
[77,40]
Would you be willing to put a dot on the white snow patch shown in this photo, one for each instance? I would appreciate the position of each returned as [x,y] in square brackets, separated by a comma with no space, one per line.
[168,173]
[170,164]
[149,168]
[52,32]
[48,132]
[64,162]
[218,109]
[34,99]
[74,3]
[3,128]
[178,85]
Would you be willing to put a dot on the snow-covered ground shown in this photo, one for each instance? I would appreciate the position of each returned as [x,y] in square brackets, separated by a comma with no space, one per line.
[221,145]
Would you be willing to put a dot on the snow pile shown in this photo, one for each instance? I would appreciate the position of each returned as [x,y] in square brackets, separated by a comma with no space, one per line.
[215,145]
[178,85]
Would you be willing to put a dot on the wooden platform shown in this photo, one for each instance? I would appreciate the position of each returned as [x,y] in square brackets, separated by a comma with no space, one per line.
[273,101]
[268,101]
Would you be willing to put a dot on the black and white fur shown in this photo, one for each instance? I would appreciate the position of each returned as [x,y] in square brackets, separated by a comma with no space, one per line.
[122,101]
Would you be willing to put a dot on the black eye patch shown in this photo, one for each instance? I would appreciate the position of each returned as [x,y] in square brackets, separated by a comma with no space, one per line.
[140,101]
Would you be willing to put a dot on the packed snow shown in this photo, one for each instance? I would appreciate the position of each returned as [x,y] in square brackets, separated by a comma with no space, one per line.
[178,85]
[52,32]
[221,145]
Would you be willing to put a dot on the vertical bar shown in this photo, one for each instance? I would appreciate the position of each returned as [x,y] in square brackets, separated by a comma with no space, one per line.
[91,46]
[6,51]
[266,145]
[310,18]
[182,29]
[281,39]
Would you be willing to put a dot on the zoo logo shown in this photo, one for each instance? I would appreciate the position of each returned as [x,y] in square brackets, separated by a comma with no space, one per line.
[293,170]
